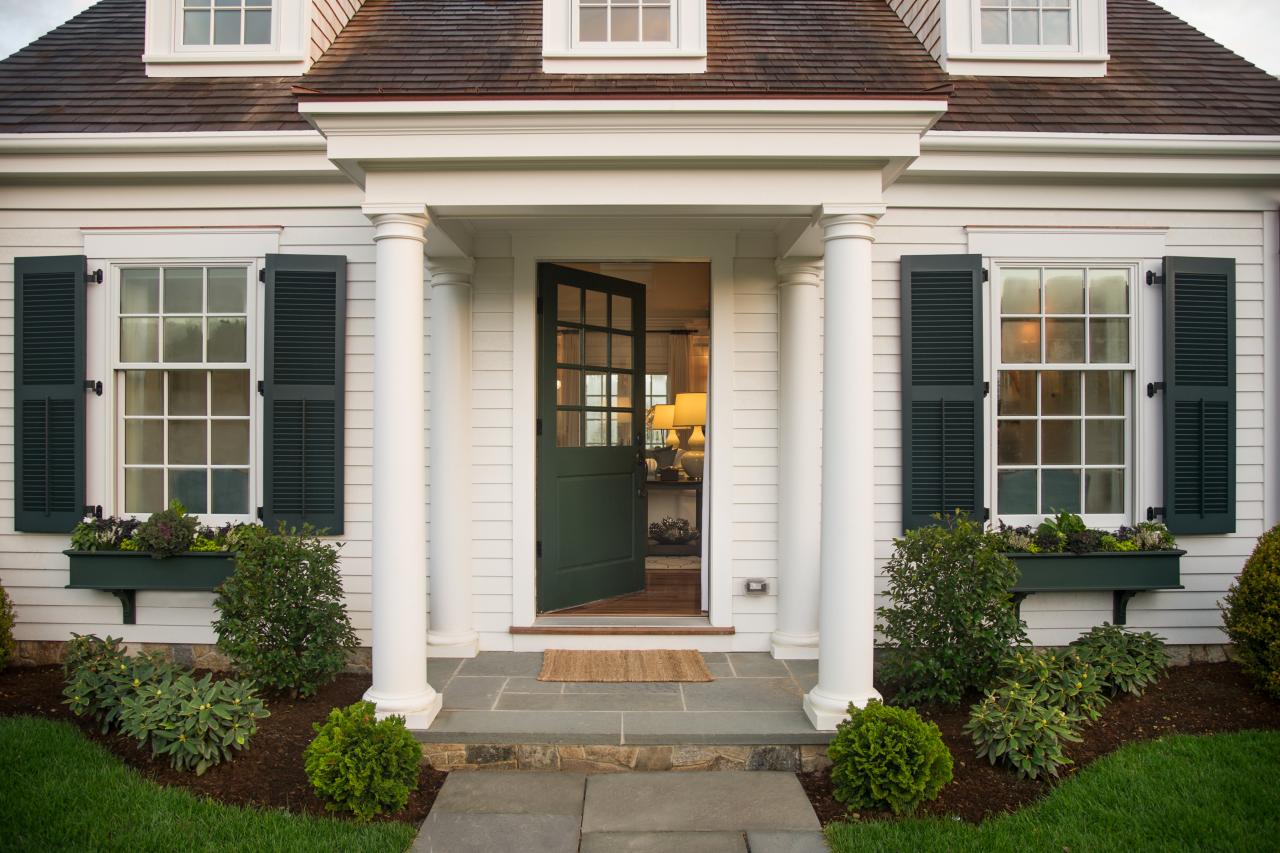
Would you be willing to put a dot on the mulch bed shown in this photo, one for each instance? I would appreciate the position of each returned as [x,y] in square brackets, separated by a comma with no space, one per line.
[1197,699]
[267,775]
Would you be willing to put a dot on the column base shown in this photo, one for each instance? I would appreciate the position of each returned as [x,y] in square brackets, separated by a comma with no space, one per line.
[825,711]
[463,645]
[783,646]
[418,710]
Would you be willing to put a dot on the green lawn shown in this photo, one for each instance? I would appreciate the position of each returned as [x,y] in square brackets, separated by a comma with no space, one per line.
[59,791]
[1220,792]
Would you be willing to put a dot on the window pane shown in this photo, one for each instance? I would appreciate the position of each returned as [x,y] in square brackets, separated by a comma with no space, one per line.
[144,442]
[568,429]
[187,393]
[1108,341]
[622,391]
[597,353]
[189,488]
[1104,443]
[1104,491]
[195,30]
[1064,341]
[1020,341]
[1064,291]
[569,304]
[1021,292]
[622,313]
[1060,442]
[227,290]
[597,394]
[620,353]
[143,392]
[183,339]
[184,291]
[1017,393]
[226,30]
[597,429]
[140,339]
[1060,491]
[597,308]
[227,339]
[1104,393]
[657,24]
[1060,393]
[1017,442]
[1026,27]
[143,490]
[995,27]
[1057,28]
[569,346]
[257,27]
[187,443]
[231,492]
[622,436]
[1017,490]
[1108,292]
[626,25]
[230,392]
[230,443]
[569,387]
[593,24]
[140,291]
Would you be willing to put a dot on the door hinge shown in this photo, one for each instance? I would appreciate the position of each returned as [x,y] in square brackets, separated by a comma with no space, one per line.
[93,385]
[1154,387]
[1153,511]
[986,389]
[538,550]
[262,387]
[259,514]
[1154,279]
[262,275]
[93,276]
[986,275]
[986,513]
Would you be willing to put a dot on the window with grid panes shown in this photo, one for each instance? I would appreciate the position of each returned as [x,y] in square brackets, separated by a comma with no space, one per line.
[1064,391]
[226,22]
[184,382]
[594,357]
[655,394]
[624,21]
[1027,22]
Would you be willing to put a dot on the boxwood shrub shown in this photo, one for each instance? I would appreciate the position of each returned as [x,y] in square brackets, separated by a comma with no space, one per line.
[887,758]
[363,765]
[1251,613]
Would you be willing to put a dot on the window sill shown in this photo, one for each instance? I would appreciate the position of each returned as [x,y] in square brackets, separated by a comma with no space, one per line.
[213,64]
[1029,64]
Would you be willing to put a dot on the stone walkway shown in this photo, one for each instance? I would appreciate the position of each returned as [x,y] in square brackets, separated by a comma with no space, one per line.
[726,812]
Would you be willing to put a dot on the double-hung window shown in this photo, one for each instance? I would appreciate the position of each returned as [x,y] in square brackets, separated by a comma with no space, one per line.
[1064,365]
[625,21]
[1027,22]
[226,22]
[184,380]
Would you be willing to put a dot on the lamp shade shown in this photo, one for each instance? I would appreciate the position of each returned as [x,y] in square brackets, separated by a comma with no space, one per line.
[691,410]
[664,416]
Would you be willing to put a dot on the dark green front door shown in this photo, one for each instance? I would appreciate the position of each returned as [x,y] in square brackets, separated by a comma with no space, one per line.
[591,534]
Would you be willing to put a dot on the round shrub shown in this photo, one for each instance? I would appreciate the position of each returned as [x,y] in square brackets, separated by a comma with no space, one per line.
[1125,661]
[7,646]
[887,758]
[950,622]
[282,619]
[363,765]
[1251,613]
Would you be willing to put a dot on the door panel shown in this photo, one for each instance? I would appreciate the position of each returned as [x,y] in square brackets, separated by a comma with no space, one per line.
[591,525]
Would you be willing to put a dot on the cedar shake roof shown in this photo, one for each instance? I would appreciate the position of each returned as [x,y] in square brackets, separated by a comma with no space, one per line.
[1164,76]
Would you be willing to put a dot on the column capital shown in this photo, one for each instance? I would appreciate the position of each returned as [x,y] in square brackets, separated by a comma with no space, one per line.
[799,271]
[403,221]
[849,221]
[455,271]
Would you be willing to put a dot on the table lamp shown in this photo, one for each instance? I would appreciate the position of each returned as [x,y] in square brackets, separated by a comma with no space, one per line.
[691,411]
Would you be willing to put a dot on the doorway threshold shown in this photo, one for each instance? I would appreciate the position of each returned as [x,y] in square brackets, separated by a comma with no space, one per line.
[623,626]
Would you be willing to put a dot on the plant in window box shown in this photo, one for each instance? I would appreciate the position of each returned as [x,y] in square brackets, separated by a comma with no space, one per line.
[672,531]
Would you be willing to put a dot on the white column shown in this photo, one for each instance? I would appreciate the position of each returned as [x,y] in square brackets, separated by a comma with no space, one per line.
[399,473]
[846,616]
[800,356]
[452,633]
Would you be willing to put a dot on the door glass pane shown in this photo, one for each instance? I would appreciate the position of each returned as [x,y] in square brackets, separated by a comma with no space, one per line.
[1060,442]
[231,491]
[1108,292]
[568,429]
[1017,442]
[1020,341]
[144,442]
[1104,393]
[1064,341]
[1064,291]
[1060,491]
[183,291]
[597,349]
[1060,392]
[139,339]
[230,443]
[143,392]
[596,389]
[620,353]
[229,392]
[1104,491]
[568,304]
[226,290]
[189,487]
[227,339]
[183,339]
[622,436]
[1104,442]
[187,392]
[1021,292]
[1017,394]
[140,291]
[569,387]
[1108,341]
[597,308]
[622,313]
[187,443]
[569,346]
[597,429]
[1017,491]
[622,391]
[143,490]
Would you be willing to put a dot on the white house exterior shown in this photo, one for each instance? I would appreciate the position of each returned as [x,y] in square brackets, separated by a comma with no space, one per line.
[444,188]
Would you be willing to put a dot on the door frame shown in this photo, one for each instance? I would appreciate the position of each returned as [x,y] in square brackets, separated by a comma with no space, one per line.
[714,247]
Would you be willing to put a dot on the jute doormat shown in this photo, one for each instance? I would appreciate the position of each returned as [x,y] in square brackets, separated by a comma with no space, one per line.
[615,667]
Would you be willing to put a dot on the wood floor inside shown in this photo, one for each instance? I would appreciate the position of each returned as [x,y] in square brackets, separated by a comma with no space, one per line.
[672,587]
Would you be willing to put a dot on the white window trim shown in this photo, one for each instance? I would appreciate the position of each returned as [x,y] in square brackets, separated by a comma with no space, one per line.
[166,56]
[114,249]
[964,52]
[686,53]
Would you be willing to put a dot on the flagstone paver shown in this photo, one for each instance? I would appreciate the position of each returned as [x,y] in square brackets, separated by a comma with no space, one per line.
[698,802]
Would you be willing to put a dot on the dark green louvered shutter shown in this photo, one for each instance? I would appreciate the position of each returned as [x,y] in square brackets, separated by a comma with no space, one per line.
[942,387]
[49,329]
[303,390]
[1200,395]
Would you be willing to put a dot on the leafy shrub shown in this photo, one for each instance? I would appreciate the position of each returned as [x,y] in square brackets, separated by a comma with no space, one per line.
[100,676]
[7,646]
[887,758]
[167,532]
[1251,613]
[197,723]
[103,534]
[1124,661]
[1011,725]
[363,765]
[1057,679]
[950,622]
[281,616]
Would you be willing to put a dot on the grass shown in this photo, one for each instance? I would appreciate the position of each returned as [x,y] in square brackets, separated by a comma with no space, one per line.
[1218,792]
[60,791]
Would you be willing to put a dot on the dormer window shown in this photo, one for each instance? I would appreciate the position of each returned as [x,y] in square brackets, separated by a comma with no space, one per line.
[624,36]
[1023,38]
[620,21]
[226,22]
[1027,22]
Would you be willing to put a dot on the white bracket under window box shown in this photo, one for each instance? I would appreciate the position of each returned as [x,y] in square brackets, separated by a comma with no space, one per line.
[166,55]
[964,51]
[564,52]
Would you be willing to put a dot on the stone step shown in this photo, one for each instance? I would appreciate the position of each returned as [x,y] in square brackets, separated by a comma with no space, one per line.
[611,758]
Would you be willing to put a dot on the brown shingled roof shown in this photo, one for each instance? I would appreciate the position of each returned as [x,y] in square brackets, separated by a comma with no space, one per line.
[1164,77]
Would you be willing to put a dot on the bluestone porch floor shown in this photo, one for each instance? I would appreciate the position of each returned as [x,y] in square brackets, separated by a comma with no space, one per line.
[496,698]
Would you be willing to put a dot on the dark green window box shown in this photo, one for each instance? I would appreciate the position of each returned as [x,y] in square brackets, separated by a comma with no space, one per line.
[1123,574]
[123,573]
